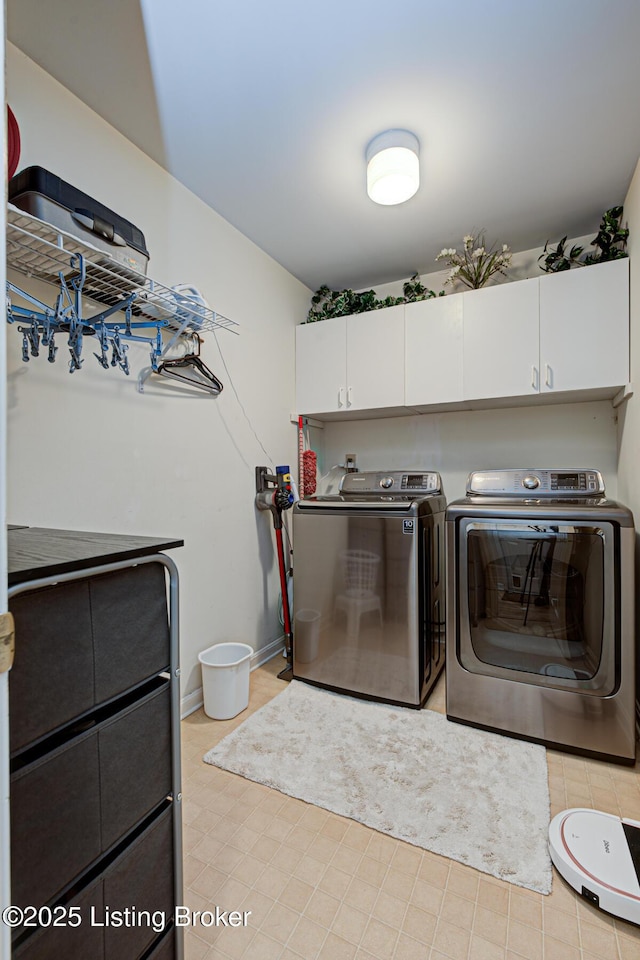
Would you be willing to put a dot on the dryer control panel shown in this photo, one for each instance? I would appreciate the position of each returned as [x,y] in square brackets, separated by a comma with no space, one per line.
[536,482]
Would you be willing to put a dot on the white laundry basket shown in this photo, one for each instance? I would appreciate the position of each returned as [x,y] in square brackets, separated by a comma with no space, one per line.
[225,679]
[360,571]
[359,597]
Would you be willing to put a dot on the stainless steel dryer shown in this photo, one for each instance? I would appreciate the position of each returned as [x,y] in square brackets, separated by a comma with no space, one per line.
[540,624]
[368,586]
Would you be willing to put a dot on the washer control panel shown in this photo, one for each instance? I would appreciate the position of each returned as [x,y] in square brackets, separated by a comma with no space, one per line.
[398,482]
[421,482]
[541,482]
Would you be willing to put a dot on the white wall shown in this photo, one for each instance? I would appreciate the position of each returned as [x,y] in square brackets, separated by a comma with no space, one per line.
[455,443]
[88,452]
[629,424]
[5,825]
[629,421]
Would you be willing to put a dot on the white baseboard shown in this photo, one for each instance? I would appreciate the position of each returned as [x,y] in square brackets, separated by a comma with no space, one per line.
[267,653]
[194,700]
[191,702]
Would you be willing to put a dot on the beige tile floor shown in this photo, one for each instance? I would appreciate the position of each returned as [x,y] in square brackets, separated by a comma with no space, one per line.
[321,886]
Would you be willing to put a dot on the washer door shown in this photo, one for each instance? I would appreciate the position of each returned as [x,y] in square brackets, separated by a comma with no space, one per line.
[537,603]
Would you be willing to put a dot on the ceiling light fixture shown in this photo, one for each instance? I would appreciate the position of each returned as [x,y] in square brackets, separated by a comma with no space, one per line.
[393,168]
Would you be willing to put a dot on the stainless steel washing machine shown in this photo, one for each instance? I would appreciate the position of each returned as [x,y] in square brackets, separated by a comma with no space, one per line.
[540,624]
[368,586]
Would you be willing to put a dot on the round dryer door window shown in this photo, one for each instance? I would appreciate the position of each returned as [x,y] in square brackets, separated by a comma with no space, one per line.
[536,603]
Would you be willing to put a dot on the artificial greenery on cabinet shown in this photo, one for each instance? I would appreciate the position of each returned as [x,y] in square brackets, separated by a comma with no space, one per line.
[327,303]
[475,265]
[609,244]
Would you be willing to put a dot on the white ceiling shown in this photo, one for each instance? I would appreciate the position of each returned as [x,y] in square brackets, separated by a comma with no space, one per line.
[526,111]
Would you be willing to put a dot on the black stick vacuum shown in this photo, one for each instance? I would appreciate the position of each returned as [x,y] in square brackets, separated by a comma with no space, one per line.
[274,493]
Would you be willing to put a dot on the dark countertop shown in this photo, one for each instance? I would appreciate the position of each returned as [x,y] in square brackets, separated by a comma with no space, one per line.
[35,552]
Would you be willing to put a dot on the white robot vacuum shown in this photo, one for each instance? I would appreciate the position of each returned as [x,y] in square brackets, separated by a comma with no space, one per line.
[599,855]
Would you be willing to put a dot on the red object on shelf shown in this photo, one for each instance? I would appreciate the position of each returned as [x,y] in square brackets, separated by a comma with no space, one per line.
[13,143]
[309,466]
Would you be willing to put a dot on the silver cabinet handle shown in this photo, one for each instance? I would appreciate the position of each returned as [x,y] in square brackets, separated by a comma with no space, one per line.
[534,378]
[349,396]
[341,397]
[548,376]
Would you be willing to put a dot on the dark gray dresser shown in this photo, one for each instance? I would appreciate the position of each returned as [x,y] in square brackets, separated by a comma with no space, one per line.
[95,755]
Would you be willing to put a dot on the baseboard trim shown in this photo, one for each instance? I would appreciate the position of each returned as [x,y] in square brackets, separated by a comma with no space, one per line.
[194,700]
[191,702]
[267,653]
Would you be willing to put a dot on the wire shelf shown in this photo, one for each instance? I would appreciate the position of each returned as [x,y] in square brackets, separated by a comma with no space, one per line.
[38,249]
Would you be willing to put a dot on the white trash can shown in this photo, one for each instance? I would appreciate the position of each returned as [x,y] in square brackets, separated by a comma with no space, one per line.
[225,679]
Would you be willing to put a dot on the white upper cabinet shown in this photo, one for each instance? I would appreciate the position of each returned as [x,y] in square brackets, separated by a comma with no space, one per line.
[375,359]
[433,351]
[554,334]
[565,333]
[321,366]
[351,363]
[584,327]
[500,341]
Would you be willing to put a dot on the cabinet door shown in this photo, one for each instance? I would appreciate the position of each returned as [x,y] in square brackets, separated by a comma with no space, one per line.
[433,351]
[321,366]
[375,359]
[501,341]
[584,327]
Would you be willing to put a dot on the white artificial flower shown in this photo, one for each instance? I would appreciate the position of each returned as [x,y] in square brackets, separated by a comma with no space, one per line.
[454,272]
[504,248]
[467,240]
[478,253]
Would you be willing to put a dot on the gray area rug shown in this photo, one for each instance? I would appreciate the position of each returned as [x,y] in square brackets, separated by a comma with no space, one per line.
[475,797]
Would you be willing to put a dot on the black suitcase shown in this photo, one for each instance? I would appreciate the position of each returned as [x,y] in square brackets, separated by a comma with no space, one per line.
[46,196]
